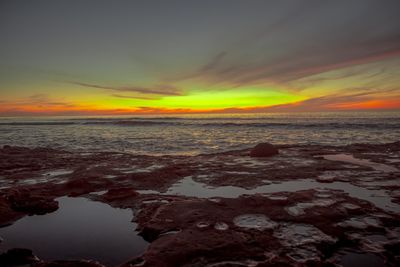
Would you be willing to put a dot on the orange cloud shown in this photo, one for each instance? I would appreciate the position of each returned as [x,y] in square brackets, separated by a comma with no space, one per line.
[371,104]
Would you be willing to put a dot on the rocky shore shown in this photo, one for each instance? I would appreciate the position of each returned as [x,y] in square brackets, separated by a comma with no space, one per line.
[287,205]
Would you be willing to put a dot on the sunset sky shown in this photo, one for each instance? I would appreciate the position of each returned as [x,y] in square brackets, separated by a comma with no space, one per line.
[125,57]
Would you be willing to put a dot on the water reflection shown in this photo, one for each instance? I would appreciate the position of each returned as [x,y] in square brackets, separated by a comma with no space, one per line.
[189,187]
[80,229]
[362,162]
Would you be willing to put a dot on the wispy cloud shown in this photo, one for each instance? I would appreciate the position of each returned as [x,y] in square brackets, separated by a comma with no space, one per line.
[135,97]
[166,90]
[334,102]
[296,66]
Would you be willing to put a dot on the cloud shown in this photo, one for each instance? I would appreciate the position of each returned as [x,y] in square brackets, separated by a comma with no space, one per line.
[35,102]
[297,66]
[334,102]
[307,38]
[135,97]
[166,90]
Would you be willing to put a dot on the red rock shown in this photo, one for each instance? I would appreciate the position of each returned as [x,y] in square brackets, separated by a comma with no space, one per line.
[21,200]
[8,215]
[264,150]
[120,193]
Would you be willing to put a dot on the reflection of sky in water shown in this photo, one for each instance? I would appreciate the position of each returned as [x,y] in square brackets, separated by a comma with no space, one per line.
[189,187]
[80,229]
[362,162]
[349,258]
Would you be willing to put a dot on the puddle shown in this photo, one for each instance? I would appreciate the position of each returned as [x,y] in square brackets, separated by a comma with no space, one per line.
[299,208]
[360,222]
[350,206]
[252,162]
[202,224]
[221,226]
[136,169]
[303,255]
[79,229]
[109,176]
[353,258]
[191,188]
[362,162]
[301,234]
[254,221]
[50,176]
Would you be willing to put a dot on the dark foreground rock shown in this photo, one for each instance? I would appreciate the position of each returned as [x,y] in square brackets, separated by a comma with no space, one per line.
[264,150]
[25,257]
[17,257]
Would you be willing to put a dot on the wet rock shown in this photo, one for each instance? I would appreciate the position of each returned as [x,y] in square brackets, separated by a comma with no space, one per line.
[119,194]
[264,150]
[22,201]
[79,187]
[303,255]
[8,215]
[16,257]
[82,263]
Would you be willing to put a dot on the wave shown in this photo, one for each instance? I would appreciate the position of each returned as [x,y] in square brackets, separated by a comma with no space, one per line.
[146,123]
[203,123]
[45,123]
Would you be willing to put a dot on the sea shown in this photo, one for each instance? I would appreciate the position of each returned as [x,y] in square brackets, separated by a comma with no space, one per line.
[198,133]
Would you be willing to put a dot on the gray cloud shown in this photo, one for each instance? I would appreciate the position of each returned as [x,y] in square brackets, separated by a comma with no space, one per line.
[166,90]
[293,66]
[307,38]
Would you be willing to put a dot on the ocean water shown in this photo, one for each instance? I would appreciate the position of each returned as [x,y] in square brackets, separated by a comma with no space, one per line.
[195,134]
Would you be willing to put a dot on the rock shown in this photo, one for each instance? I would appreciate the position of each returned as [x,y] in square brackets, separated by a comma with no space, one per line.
[64,263]
[17,257]
[264,150]
[120,193]
[8,215]
[20,200]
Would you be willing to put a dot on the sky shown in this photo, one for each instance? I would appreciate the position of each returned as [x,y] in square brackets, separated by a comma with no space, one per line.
[88,57]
